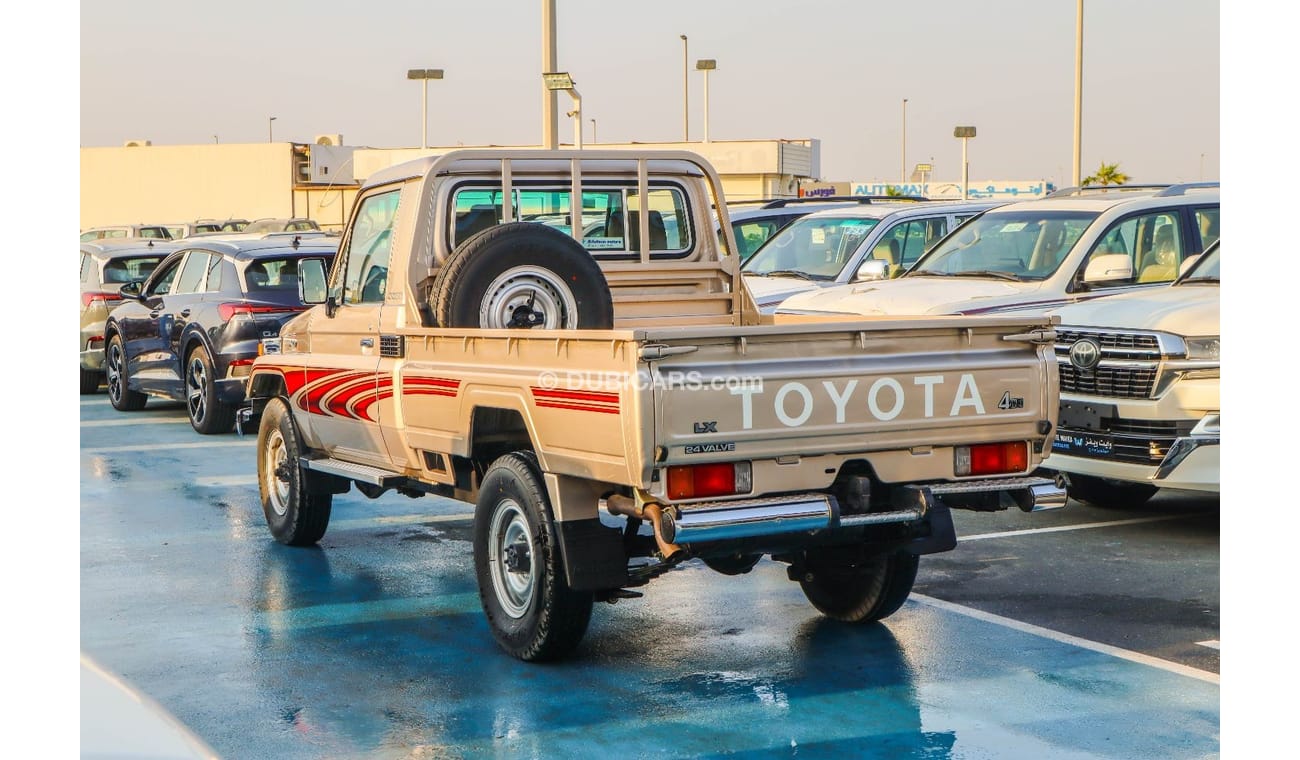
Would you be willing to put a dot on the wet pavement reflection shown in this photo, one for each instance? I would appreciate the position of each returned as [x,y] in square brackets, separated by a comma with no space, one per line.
[374,644]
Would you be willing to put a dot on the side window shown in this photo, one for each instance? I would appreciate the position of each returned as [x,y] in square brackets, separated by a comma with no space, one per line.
[86,268]
[115,234]
[1152,242]
[1207,222]
[162,284]
[369,246]
[193,273]
[215,265]
[750,235]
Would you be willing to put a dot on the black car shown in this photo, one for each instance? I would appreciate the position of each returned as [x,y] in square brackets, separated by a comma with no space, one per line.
[190,331]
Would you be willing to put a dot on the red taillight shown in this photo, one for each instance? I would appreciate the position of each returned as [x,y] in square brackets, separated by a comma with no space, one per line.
[88,298]
[228,310]
[697,481]
[991,458]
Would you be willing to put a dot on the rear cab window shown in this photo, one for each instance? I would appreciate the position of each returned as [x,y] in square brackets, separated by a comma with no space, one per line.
[609,215]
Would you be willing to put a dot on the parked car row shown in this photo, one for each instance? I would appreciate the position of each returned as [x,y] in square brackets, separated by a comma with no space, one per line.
[184,320]
[179,230]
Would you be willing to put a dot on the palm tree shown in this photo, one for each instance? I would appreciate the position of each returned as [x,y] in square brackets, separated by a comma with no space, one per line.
[893,192]
[1107,174]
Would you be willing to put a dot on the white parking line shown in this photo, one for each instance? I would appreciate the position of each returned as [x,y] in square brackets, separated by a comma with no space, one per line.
[136,421]
[1065,638]
[168,446]
[1080,526]
[1212,644]
[220,481]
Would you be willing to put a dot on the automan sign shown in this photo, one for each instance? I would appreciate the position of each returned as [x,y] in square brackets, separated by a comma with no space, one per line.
[1002,189]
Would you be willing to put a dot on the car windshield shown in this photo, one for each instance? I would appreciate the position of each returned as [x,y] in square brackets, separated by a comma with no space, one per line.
[813,247]
[1025,244]
[127,269]
[264,225]
[1206,268]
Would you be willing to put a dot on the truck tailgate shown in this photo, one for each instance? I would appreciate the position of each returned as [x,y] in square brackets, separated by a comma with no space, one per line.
[828,388]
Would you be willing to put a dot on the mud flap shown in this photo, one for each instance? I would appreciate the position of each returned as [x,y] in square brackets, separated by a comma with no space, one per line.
[593,555]
[943,536]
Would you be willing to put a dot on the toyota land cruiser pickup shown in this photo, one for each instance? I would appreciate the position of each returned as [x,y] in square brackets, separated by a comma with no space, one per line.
[561,338]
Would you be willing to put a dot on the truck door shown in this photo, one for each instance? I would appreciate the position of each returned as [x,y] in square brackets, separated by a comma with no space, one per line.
[342,382]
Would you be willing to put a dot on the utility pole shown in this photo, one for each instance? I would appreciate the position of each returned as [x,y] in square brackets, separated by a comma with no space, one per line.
[686,92]
[550,111]
[902,169]
[1078,94]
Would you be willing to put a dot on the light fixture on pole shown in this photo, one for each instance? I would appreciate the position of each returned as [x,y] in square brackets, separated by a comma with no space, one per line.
[706,65]
[1078,94]
[270,133]
[686,91]
[902,166]
[965,133]
[560,81]
[424,75]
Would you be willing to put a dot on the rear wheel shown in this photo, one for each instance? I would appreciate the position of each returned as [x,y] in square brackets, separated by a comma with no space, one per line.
[1101,492]
[120,396]
[532,612]
[861,592]
[90,380]
[208,414]
[296,502]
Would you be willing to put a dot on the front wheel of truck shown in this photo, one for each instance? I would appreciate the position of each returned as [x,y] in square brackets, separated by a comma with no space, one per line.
[532,612]
[296,502]
[861,592]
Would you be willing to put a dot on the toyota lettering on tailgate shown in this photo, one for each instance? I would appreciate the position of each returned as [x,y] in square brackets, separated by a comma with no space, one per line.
[884,399]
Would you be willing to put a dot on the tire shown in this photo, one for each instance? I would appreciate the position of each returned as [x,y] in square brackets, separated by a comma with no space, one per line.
[862,593]
[208,415]
[532,612]
[296,502]
[522,275]
[120,396]
[1101,492]
[90,380]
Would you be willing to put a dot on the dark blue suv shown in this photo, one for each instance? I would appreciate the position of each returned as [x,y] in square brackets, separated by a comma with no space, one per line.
[190,331]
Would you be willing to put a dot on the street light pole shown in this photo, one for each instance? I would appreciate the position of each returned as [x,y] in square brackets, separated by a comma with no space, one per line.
[706,65]
[1078,94]
[902,170]
[965,133]
[550,113]
[686,92]
[424,75]
[270,134]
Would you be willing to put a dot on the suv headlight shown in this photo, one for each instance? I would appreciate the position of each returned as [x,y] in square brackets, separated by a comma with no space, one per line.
[1203,349]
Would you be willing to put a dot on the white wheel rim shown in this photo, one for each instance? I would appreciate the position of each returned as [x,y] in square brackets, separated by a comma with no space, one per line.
[514,590]
[277,488]
[521,290]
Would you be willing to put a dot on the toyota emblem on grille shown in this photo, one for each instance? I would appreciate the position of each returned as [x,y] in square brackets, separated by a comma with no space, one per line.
[1085,354]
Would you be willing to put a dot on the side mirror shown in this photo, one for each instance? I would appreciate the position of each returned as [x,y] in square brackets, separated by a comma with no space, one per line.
[131,290]
[1109,267]
[312,285]
[872,269]
[1187,264]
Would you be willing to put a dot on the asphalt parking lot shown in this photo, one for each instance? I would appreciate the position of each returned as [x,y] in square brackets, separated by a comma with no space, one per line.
[1080,633]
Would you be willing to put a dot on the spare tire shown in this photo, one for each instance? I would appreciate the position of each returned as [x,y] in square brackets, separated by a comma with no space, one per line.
[522,275]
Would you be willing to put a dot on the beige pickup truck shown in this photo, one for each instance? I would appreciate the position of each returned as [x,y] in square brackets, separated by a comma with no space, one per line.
[594,376]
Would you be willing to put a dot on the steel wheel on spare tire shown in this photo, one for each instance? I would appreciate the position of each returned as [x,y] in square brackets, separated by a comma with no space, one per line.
[522,275]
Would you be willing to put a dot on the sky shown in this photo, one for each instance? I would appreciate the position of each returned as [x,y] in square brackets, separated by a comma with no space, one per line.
[180,72]
[834,70]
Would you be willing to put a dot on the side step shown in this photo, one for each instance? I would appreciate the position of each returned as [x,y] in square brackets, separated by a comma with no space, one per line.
[358,472]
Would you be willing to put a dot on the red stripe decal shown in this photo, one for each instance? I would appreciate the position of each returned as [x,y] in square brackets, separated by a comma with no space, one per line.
[575,407]
[558,395]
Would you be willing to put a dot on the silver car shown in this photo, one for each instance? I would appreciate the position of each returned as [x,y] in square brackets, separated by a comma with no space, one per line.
[878,240]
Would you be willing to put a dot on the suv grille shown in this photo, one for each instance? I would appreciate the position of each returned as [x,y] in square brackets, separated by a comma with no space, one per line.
[1135,377]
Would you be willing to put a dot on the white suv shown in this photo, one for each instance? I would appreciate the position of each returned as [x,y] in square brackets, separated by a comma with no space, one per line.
[1140,391]
[877,239]
[1074,245]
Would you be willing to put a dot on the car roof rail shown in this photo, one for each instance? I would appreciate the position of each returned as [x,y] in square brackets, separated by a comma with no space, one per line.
[867,199]
[1083,189]
[1182,188]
